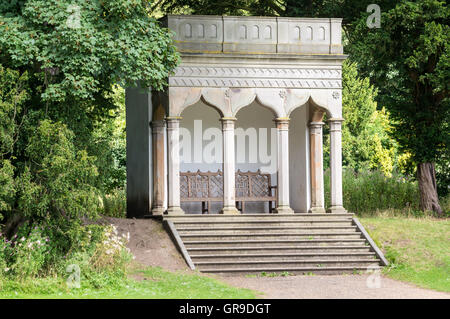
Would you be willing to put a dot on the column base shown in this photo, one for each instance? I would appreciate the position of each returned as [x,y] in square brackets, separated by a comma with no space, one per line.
[230,211]
[317,210]
[337,210]
[176,210]
[283,210]
[157,211]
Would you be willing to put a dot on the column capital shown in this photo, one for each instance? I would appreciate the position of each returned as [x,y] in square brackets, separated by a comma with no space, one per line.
[226,119]
[157,124]
[335,124]
[316,124]
[173,118]
[173,122]
[316,127]
[336,119]
[282,123]
[228,123]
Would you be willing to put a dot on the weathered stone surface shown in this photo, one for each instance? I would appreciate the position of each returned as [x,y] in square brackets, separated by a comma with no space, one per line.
[256,35]
[229,63]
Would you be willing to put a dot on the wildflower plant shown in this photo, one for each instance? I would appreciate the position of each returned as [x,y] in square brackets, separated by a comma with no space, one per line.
[28,254]
[111,251]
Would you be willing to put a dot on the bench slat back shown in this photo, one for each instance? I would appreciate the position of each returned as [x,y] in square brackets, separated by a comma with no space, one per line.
[210,184]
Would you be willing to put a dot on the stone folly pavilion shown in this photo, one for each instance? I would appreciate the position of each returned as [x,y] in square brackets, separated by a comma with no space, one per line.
[288,70]
[230,156]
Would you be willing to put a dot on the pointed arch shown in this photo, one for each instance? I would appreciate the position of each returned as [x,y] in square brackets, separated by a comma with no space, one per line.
[310,100]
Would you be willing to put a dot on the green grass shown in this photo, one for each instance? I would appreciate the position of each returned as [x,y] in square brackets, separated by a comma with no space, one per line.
[418,249]
[154,283]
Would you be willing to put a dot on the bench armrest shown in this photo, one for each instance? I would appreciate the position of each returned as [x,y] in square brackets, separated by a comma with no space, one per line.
[273,188]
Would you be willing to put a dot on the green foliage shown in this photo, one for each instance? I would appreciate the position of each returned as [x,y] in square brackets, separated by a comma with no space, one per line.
[30,254]
[99,252]
[227,7]
[370,191]
[77,49]
[62,136]
[408,60]
[7,186]
[108,145]
[115,203]
[57,179]
[366,143]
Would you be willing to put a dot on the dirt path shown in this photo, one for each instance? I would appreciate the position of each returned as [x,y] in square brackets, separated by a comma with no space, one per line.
[150,243]
[332,287]
[152,246]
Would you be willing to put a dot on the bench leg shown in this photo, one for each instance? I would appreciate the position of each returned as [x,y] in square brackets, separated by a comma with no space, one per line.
[203,207]
[209,207]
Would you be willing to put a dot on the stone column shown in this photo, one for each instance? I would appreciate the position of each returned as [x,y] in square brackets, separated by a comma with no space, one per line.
[158,167]
[283,167]
[316,166]
[336,166]
[173,165]
[229,192]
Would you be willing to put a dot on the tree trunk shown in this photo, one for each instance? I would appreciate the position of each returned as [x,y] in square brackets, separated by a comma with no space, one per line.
[426,175]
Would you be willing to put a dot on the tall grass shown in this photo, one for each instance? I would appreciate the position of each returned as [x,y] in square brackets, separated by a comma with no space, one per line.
[370,191]
[115,203]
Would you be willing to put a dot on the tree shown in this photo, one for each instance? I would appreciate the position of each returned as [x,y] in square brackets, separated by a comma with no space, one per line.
[59,61]
[366,143]
[408,60]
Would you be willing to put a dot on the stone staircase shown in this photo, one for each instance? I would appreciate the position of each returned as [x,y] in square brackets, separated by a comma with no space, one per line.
[274,243]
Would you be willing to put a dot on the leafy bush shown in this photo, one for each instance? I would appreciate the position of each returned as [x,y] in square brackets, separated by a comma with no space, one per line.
[115,203]
[366,140]
[57,182]
[99,252]
[368,191]
[29,254]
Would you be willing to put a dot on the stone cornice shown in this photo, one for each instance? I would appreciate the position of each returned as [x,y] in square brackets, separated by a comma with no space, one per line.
[257,77]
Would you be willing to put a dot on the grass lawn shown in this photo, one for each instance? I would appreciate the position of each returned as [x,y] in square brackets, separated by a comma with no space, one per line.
[417,248]
[158,284]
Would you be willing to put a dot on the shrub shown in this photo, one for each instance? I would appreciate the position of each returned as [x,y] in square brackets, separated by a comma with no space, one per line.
[368,191]
[30,254]
[98,252]
[111,251]
[115,203]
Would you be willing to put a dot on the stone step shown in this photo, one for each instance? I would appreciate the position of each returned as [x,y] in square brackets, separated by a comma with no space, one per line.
[281,256]
[288,269]
[265,223]
[313,263]
[272,249]
[266,232]
[270,235]
[256,218]
[247,228]
[259,243]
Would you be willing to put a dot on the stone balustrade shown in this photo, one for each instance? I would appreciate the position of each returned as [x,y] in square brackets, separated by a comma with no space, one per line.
[255,35]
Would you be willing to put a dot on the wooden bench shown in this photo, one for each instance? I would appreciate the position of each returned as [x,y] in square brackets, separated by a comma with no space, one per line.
[207,187]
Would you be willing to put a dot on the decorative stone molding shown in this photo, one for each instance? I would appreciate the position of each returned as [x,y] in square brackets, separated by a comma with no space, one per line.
[228,101]
[254,77]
